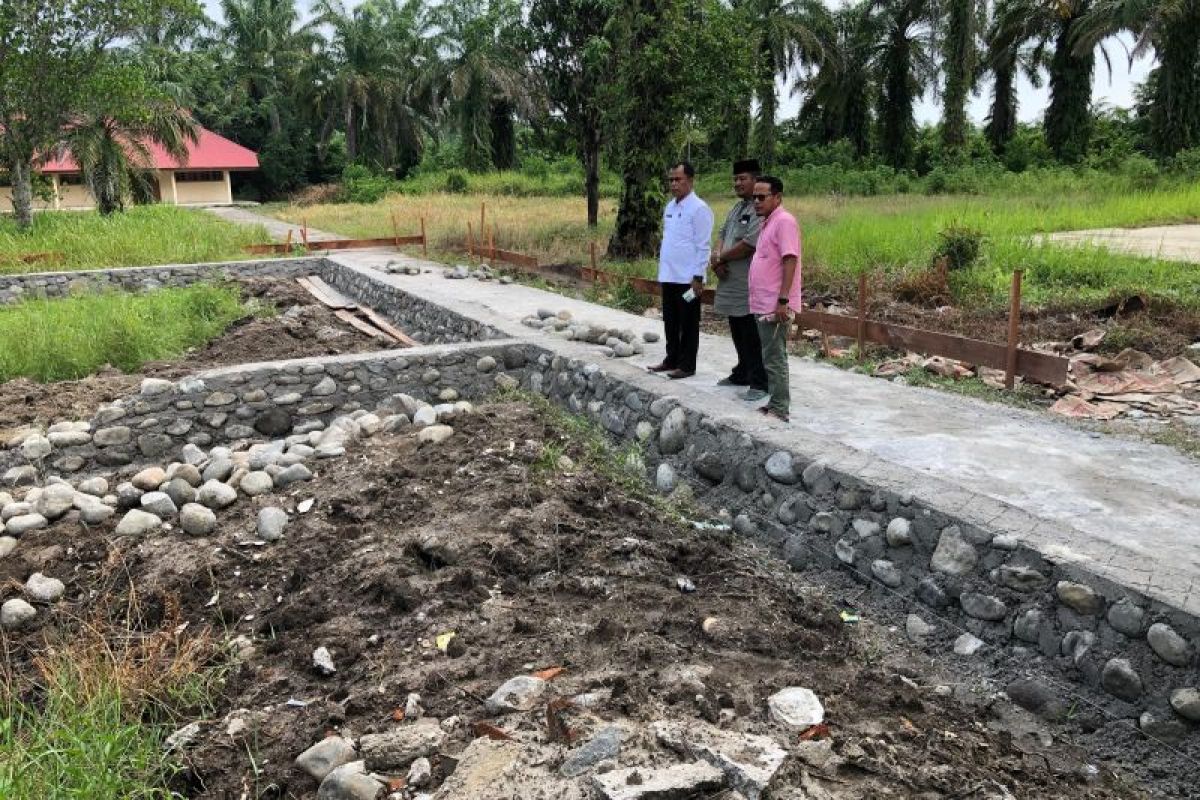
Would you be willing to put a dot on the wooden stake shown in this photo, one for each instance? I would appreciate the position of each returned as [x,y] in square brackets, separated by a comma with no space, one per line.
[396,230]
[862,316]
[593,248]
[424,239]
[304,232]
[492,242]
[1014,331]
[482,219]
[288,242]
[470,239]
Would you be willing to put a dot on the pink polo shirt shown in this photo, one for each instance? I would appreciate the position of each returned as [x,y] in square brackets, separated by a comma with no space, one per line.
[779,238]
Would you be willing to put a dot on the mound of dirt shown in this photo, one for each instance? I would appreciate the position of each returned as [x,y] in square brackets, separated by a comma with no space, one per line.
[531,567]
[301,327]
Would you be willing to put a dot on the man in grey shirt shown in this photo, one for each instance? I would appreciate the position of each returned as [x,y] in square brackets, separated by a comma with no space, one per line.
[731,263]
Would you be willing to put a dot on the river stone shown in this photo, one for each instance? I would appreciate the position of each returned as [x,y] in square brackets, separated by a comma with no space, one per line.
[967,645]
[23,475]
[273,422]
[149,479]
[16,613]
[673,433]
[1076,644]
[886,573]
[349,782]
[325,756]
[36,447]
[1186,703]
[95,513]
[15,509]
[796,707]
[435,434]
[44,589]
[665,478]
[1028,626]
[930,592]
[916,628]
[180,491]
[219,469]
[899,532]
[1082,599]
[710,466]
[24,523]
[159,504]
[97,487]
[128,495]
[1169,645]
[112,437]
[983,606]
[954,554]
[271,522]
[1019,578]
[781,468]
[663,405]
[1121,680]
[189,473]
[1126,618]
[55,501]
[153,445]
[154,386]
[197,520]
[256,483]
[137,523]
[293,474]
[215,494]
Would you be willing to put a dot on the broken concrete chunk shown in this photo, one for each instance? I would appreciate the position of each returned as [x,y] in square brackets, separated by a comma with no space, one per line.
[325,756]
[669,783]
[349,782]
[749,762]
[796,707]
[395,750]
[604,745]
[521,693]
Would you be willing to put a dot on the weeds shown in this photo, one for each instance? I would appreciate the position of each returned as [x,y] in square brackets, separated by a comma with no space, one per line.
[69,338]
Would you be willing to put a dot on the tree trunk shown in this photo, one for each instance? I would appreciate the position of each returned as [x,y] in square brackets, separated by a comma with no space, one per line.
[768,106]
[959,60]
[1002,121]
[504,135]
[1175,110]
[351,133]
[896,102]
[1069,118]
[591,169]
[22,192]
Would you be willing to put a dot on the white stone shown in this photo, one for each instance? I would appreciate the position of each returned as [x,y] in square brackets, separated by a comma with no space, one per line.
[197,520]
[521,693]
[325,756]
[796,707]
[137,522]
[153,386]
[44,589]
[24,523]
[36,447]
[349,782]
[159,504]
[899,532]
[255,483]
[97,487]
[215,494]
[271,522]
[435,434]
[967,645]
[424,416]
[7,545]
[15,613]
[55,501]
[322,661]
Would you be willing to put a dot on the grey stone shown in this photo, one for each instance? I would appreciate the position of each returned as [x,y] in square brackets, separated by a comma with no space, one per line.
[1028,626]
[844,550]
[43,589]
[1037,698]
[665,478]
[273,422]
[256,483]
[60,439]
[16,526]
[219,469]
[95,513]
[521,693]
[97,487]
[849,499]
[916,628]
[397,748]
[36,447]
[192,455]
[153,445]
[1169,645]
[604,745]
[899,532]
[485,364]
[155,386]
[886,573]
[15,509]
[676,782]
[1020,578]
[149,479]
[826,522]
[967,645]
[326,756]
[662,406]
[983,606]
[16,613]
[349,782]
[781,469]
[128,495]
[1186,702]
[179,490]
[325,387]
[1082,599]
[711,466]
[271,522]
[865,528]
[1075,644]
[55,501]
[137,523]
[673,434]
[930,592]
[1120,679]
[954,555]
[159,504]
[24,475]
[424,416]
[435,434]
[197,520]
[217,399]
[1167,730]
[796,553]
[215,494]
[293,474]
[817,478]
[7,545]
[748,761]
[744,525]
[1126,618]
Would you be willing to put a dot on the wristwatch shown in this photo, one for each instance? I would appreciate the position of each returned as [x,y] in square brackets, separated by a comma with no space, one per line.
[783,301]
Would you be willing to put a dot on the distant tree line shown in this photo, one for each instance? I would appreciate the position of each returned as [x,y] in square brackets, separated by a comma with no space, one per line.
[622,85]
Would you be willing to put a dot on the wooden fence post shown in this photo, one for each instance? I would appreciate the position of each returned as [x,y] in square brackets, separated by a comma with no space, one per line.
[1014,331]
[470,239]
[482,220]
[492,242]
[592,247]
[862,316]
[304,232]
[424,240]
[395,230]
[288,242]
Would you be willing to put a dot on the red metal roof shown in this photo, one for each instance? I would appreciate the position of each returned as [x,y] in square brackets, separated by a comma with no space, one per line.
[210,151]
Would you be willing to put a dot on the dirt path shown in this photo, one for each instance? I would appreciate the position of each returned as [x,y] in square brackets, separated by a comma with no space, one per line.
[278,229]
[532,563]
[1171,242]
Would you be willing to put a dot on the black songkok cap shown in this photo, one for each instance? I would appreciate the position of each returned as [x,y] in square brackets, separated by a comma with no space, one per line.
[749,165]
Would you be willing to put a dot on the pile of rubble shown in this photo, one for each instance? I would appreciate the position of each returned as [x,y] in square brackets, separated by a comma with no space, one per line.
[614,342]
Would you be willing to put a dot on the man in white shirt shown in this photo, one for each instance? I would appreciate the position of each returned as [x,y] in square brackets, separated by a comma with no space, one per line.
[682,265]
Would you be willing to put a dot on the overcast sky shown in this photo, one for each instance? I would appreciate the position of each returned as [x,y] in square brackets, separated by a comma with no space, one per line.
[1115,90]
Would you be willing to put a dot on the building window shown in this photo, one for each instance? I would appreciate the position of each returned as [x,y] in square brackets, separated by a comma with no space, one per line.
[209,176]
[74,179]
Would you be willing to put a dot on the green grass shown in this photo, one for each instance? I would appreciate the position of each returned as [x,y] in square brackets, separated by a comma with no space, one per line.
[142,236]
[64,339]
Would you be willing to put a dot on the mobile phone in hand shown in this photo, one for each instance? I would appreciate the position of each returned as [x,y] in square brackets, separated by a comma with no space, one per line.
[689,295]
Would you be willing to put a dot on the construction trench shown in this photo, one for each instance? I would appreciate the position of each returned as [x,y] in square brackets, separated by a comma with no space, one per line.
[430,587]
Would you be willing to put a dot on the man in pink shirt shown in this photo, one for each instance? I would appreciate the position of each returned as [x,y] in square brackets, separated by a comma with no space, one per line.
[775,288]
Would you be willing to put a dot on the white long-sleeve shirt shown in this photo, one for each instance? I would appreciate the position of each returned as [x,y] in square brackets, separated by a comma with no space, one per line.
[686,241]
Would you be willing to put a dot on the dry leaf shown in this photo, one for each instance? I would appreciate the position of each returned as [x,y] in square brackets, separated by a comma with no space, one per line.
[550,673]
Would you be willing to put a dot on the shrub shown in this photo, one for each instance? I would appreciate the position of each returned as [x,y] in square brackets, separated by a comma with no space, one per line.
[1186,164]
[456,181]
[361,185]
[960,244]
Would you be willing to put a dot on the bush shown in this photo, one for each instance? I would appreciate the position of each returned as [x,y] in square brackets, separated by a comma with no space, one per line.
[1186,164]
[960,245]
[361,185]
[456,182]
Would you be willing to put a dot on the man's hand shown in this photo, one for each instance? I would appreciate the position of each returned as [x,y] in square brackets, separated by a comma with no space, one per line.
[697,287]
[782,314]
[721,269]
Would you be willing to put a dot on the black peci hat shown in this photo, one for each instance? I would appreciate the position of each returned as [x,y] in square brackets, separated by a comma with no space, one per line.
[746,165]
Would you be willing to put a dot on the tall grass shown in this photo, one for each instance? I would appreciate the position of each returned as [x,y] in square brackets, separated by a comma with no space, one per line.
[141,236]
[51,340]
[894,235]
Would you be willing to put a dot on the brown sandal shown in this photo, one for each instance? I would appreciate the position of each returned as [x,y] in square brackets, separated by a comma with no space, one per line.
[767,411]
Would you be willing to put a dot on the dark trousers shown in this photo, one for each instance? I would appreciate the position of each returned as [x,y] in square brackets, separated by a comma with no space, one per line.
[681,324]
[749,370]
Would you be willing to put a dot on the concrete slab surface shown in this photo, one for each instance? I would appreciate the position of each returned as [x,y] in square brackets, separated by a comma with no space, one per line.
[1128,511]
[1170,242]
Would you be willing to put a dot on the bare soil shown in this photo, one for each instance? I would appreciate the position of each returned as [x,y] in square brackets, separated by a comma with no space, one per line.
[302,327]
[531,566]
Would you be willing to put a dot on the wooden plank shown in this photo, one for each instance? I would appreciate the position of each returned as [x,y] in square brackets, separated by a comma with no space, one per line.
[355,322]
[333,294]
[519,259]
[391,330]
[1041,367]
[336,244]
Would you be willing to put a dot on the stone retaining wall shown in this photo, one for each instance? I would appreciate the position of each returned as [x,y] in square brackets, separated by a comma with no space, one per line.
[1133,654]
[138,279]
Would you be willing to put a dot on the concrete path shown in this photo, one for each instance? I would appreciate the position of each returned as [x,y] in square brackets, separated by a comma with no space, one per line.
[1125,510]
[277,229]
[1171,242]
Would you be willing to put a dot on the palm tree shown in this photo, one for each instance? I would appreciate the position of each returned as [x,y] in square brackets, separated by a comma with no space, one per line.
[376,80]
[785,39]
[1169,28]
[836,94]
[906,66]
[483,76]
[1010,53]
[111,147]
[964,20]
